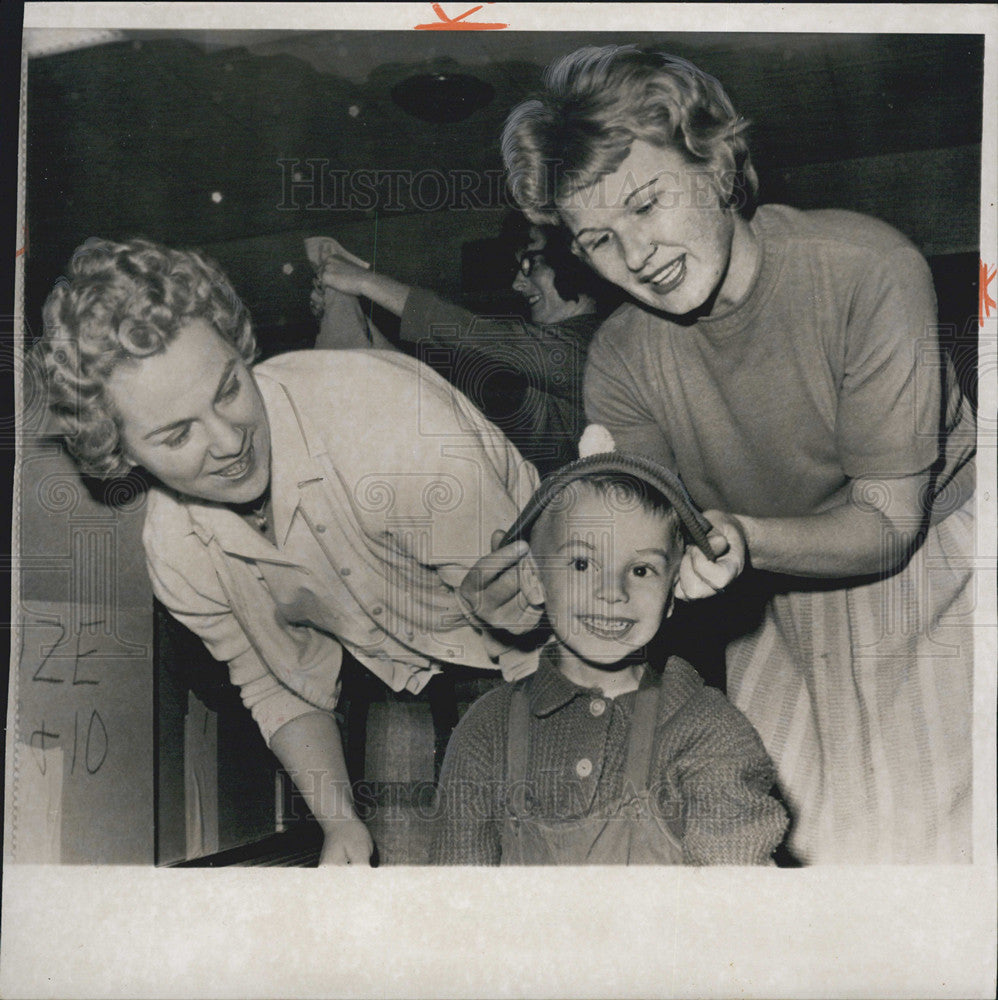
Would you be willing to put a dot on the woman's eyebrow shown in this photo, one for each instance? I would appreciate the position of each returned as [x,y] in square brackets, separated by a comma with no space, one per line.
[226,372]
[638,190]
[634,193]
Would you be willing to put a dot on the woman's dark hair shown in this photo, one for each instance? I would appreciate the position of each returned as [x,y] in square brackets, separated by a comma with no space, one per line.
[572,276]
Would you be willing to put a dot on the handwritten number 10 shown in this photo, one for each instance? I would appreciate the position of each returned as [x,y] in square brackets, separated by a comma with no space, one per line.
[95,747]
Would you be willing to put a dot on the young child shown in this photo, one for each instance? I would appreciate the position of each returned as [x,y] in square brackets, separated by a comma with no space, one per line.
[601,757]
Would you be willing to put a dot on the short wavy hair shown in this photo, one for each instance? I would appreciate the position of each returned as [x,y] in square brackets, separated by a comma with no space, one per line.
[596,102]
[120,302]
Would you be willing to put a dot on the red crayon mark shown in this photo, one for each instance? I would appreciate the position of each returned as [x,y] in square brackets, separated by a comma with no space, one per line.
[458,23]
[987,303]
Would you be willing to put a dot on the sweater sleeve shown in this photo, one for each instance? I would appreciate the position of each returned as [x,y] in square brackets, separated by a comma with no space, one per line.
[194,597]
[542,357]
[889,406]
[725,780]
[468,827]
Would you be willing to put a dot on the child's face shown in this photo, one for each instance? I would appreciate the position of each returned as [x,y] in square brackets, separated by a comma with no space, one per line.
[607,575]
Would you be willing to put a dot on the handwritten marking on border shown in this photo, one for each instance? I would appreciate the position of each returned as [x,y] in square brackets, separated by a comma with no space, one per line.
[986,302]
[458,23]
[38,675]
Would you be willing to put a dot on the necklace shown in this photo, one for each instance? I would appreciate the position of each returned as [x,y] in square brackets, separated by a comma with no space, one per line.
[259,519]
[256,514]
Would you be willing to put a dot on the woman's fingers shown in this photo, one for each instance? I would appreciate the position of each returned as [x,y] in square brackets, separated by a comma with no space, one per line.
[495,566]
[317,298]
[343,276]
[321,249]
[491,588]
[700,577]
[347,842]
[493,582]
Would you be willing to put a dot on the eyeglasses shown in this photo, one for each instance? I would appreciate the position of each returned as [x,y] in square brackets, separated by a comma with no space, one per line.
[527,260]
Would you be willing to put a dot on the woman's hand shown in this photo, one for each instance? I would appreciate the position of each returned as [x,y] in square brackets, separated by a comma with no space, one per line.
[310,750]
[337,268]
[324,252]
[699,577]
[317,298]
[344,276]
[346,842]
[492,593]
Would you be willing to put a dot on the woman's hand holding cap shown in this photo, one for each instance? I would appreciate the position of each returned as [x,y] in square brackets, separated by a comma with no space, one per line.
[335,268]
[492,594]
[700,577]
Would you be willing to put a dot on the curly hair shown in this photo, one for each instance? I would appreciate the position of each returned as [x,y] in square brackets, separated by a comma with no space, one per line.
[596,102]
[120,302]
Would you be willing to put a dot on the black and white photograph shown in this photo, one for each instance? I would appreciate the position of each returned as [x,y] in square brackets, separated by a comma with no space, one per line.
[538,457]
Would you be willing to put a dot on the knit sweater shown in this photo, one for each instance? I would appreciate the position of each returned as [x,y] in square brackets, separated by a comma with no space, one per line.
[525,377]
[710,776]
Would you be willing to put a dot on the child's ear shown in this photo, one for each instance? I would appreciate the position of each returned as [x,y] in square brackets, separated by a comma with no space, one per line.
[670,601]
[530,581]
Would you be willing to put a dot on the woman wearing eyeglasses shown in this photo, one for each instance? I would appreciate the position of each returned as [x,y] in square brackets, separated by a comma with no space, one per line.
[527,377]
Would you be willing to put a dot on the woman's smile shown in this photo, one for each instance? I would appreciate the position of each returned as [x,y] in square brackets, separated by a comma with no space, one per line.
[668,276]
[657,228]
[241,467]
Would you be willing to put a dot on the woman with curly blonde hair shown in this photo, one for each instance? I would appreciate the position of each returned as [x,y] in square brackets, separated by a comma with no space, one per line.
[319,501]
[124,303]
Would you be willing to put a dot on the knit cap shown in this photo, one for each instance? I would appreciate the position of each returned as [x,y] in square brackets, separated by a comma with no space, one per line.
[695,526]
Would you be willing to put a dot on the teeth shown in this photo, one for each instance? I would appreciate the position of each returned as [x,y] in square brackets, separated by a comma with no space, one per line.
[669,273]
[235,470]
[609,627]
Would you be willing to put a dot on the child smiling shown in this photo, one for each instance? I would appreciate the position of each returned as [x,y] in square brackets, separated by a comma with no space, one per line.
[601,757]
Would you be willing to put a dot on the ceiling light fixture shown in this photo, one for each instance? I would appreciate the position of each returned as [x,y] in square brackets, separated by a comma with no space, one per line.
[442,98]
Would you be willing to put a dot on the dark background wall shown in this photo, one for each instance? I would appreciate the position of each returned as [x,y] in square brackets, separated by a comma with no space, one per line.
[135,137]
